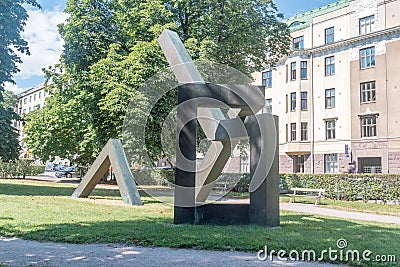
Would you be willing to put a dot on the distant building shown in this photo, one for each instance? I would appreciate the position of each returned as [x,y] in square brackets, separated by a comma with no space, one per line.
[28,101]
[337,94]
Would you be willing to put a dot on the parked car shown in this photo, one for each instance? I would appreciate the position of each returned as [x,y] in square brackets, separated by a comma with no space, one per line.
[65,172]
[49,167]
[58,167]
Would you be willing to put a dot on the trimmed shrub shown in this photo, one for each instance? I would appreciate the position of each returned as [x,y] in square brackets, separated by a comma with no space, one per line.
[384,187]
[19,169]
[350,187]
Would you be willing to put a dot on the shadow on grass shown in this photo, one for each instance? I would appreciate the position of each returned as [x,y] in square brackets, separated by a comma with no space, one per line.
[44,190]
[34,190]
[298,232]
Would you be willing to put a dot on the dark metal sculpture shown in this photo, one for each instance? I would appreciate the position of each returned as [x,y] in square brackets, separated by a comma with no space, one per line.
[200,102]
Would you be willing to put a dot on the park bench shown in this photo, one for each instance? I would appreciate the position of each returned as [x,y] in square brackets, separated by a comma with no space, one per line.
[317,197]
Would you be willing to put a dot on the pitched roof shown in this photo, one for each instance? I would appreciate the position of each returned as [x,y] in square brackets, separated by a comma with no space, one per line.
[303,20]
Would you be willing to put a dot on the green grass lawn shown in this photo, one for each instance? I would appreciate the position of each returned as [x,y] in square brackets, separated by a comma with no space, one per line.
[44,211]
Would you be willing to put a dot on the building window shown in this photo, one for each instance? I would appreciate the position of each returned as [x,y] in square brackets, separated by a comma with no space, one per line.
[330,129]
[293,132]
[367,92]
[329,35]
[244,165]
[329,66]
[267,79]
[367,24]
[25,100]
[331,163]
[40,95]
[303,100]
[30,98]
[299,163]
[368,126]
[292,101]
[303,70]
[34,97]
[268,105]
[298,43]
[304,131]
[293,71]
[330,98]
[367,57]
[24,111]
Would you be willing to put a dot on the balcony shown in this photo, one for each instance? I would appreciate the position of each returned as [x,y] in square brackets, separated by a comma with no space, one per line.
[296,148]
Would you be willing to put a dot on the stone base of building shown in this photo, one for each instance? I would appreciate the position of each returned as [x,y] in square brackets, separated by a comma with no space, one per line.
[289,163]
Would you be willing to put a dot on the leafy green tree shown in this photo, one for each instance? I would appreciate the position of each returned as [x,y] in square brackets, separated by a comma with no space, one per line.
[9,146]
[13,18]
[111,49]
[87,33]
[62,127]
[244,34]
[10,100]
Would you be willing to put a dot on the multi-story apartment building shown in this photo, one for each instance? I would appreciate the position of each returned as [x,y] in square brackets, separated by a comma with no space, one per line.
[28,101]
[337,94]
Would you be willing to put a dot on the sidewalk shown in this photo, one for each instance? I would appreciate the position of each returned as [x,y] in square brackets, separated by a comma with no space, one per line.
[318,210]
[17,252]
[51,177]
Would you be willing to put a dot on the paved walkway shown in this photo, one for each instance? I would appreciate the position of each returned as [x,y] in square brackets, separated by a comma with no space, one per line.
[319,210]
[17,252]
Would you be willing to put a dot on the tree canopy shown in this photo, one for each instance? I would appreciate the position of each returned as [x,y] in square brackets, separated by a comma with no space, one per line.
[13,18]
[111,48]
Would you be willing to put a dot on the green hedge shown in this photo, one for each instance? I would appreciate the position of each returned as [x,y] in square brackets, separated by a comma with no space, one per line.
[19,169]
[384,187]
[153,176]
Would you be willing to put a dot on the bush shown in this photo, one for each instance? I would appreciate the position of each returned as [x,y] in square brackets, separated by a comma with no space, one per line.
[19,169]
[153,176]
[384,187]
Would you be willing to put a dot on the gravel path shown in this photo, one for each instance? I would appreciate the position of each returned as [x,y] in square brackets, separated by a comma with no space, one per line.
[319,210]
[17,252]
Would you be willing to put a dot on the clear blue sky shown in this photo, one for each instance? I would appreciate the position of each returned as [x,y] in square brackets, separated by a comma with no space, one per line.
[290,8]
[50,4]
[51,9]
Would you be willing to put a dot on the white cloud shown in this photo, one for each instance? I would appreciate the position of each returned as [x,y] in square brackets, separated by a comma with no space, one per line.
[45,44]
[14,88]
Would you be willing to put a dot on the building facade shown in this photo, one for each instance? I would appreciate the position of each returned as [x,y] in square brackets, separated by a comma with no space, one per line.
[336,94]
[28,101]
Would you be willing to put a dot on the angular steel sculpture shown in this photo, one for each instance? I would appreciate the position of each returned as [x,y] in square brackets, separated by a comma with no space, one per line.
[196,101]
[112,155]
[186,72]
